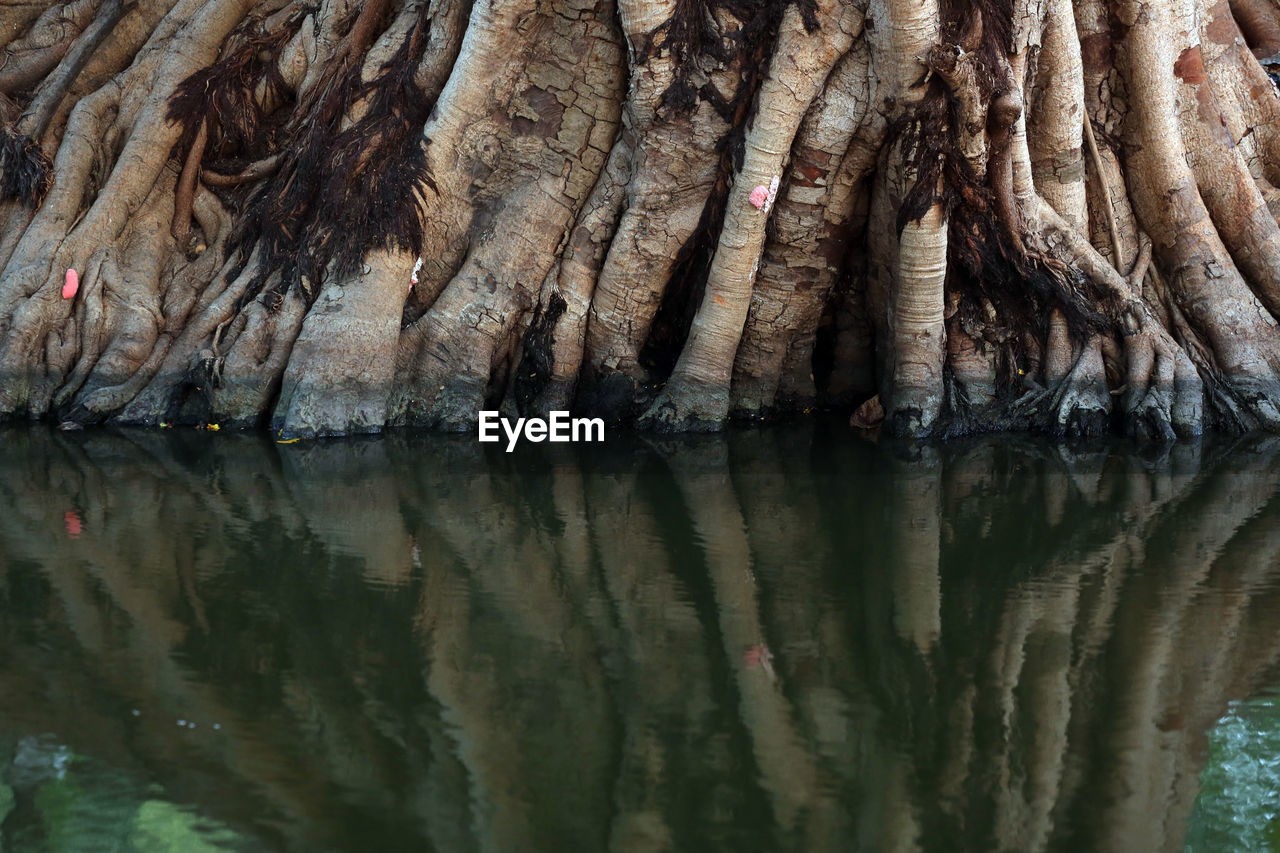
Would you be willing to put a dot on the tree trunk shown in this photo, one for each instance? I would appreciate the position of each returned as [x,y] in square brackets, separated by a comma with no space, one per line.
[952,217]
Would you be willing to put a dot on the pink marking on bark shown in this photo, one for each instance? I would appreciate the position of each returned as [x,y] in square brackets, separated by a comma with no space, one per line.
[72,520]
[70,285]
[760,197]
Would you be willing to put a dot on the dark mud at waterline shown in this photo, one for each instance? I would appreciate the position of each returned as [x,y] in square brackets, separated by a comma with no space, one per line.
[776,639]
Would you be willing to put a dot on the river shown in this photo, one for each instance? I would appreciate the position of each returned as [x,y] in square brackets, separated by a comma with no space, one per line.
[786,638]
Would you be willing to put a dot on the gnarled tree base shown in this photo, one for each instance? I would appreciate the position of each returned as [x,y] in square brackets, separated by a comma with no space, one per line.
[950,217]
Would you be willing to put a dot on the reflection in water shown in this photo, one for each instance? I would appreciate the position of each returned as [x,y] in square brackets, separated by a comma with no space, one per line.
[770,640]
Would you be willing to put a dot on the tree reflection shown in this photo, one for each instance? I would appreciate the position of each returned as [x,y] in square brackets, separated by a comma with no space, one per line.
[773,639]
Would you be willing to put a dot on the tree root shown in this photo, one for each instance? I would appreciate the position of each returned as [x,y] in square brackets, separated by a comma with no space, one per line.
[89,323]
[253,172]
[1163,390]
[181,229]
[573,282]
[29,59]
[1078,404]
[687,405]
[39,113]
[581,239]
[1108,205]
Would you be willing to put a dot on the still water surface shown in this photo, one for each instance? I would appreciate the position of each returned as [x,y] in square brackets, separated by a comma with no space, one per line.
[781,639]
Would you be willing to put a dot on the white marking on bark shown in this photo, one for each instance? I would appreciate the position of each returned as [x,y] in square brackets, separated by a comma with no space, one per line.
[773,193]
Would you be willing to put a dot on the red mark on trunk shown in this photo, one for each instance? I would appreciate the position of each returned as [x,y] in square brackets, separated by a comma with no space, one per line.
[808,166]
[760,656]
[72,520]
[1190,66]
[1190,69]
[70,285]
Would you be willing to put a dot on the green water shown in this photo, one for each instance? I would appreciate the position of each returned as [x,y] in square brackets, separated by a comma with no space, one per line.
[782,639]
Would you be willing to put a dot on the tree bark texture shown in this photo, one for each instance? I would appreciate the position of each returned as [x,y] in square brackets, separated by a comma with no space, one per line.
[944,217]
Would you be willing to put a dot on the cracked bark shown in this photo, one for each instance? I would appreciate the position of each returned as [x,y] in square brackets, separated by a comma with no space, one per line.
[1038,215]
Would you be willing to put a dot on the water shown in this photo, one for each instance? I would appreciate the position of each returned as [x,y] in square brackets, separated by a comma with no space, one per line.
[782,639]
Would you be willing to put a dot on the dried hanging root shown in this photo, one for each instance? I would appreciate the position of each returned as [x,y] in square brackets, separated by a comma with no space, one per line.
[26,172]
[253,172]
[1108,210]
[186,192]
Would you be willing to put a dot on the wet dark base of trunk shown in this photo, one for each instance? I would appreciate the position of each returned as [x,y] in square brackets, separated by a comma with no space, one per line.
[613,396]
[623,403]
[454,408]
[697,412]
